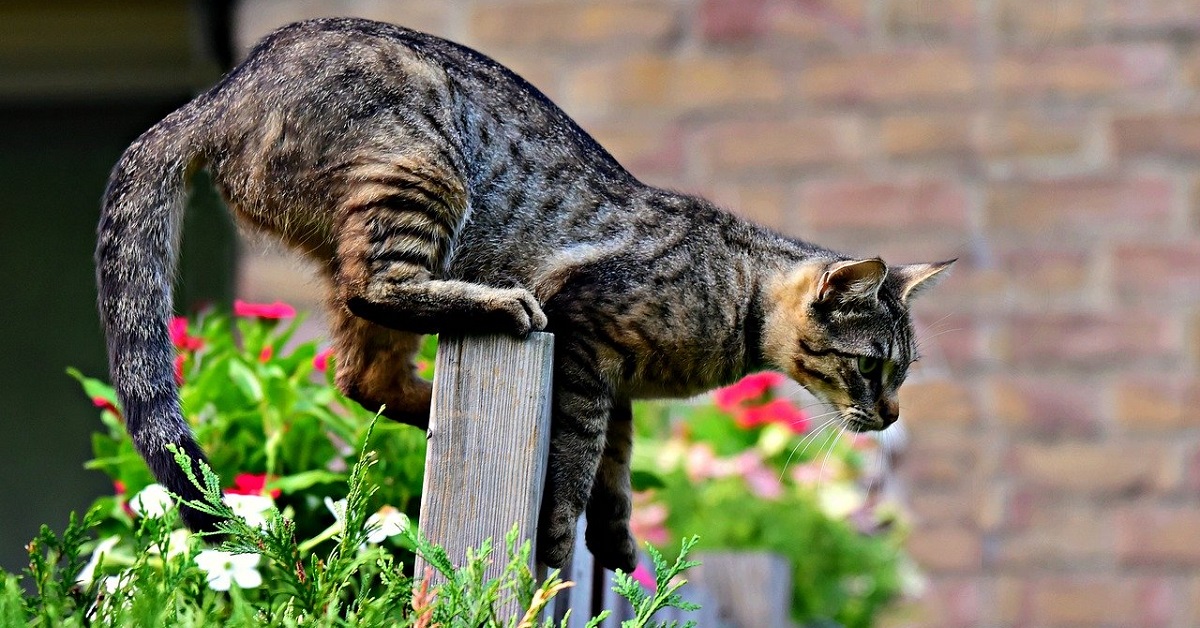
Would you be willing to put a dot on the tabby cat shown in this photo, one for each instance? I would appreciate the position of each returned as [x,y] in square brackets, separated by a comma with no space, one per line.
[441,193]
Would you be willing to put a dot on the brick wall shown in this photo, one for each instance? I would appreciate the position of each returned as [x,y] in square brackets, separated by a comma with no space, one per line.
[1053,466]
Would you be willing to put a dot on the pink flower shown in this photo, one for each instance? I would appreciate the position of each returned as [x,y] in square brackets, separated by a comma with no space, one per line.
[265,355]
[643,577]
[180,337]
[251,484]
[763,482]
[701,462]
[106,405]
[775,411]
[266,311]
[321,360]
[749,388]
[647,523]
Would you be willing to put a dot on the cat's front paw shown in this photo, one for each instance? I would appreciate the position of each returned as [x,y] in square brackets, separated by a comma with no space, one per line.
[555,546]
[520,307]
[614,548]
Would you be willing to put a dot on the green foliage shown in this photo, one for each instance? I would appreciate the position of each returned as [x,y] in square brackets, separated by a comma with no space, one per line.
[355,583]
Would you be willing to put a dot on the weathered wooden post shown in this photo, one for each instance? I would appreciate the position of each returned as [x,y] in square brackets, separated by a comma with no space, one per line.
[489,436]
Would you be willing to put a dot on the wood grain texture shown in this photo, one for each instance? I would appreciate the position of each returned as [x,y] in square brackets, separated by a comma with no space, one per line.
[750,589]
[489,436]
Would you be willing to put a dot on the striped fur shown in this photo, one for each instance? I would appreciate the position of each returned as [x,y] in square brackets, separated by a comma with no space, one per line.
[442,193]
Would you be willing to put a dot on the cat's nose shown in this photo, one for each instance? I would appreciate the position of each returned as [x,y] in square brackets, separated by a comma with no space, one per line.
[889,410]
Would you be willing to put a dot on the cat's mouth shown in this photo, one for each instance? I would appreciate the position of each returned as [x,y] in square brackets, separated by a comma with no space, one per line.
[858,421]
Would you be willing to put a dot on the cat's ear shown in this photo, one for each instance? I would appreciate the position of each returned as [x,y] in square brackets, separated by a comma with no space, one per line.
[915,278]
[851,280]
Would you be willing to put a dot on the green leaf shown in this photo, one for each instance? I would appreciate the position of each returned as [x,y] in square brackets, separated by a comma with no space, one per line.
[300,481]
[245,380]
[645,480]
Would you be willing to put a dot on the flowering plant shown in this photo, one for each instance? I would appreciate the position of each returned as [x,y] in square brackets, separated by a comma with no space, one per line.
[275,427]
[752,471]
[315,500]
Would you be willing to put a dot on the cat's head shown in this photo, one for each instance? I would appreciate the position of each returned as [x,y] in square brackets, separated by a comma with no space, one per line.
[842,330]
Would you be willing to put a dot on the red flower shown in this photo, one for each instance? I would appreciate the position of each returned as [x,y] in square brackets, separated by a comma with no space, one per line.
[266,311]
[321,360]
[775,411]
[749,388]
[106,405]
[118,487]
[251,484]
[180,337]
[264,356]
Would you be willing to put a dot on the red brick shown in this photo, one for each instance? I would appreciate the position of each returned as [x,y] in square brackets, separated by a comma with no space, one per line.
[954,602]
[1058,535]
[1046,275]
[1159,536]
[1046,407]
[1086,342]
[1166,16]
[653,81]
[1013,599]
[731,20]
[893,77]
[938,401]
[1034,133]
[928,21]
[1081,207]
[1158,403]
[819,24]
[945,549]
[941,457]
[1088,72]
[1086,600]
[780,146]
[763,203]
[645,149]
[924,135]
[949,341]
[1106,469]
[855,205]
[1159,135]
[570,25]
[1158,273]
[1039,24]
[944,507]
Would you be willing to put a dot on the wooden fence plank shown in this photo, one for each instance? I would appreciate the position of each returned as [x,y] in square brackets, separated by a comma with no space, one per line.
[489,436]
[752,589]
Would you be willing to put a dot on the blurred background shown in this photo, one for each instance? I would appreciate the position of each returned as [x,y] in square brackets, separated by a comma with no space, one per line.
[1052,463]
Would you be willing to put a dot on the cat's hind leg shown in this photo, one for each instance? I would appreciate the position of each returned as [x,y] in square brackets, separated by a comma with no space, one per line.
[375,368]
[583,400]
[610,505]
[394,236]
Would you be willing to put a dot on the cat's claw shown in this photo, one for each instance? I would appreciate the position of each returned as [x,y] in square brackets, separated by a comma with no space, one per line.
[524,309]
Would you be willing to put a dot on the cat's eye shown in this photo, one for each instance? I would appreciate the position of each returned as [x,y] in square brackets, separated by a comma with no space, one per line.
[867,365]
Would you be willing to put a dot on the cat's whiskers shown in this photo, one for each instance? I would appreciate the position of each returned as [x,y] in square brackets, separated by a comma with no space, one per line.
[810,438]
[824,459]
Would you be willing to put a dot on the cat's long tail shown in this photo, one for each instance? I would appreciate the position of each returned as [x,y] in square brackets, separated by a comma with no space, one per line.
[136,253]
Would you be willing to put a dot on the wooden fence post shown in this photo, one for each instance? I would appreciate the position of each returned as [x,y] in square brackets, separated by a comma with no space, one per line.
[489,436]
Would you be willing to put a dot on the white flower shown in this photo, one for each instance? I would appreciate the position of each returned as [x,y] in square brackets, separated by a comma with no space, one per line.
[153,501]
[839,500]
[254,509]
[386,523]
[225,569]
[338,509]
[89,570]
[177,543]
